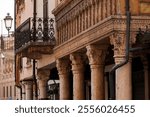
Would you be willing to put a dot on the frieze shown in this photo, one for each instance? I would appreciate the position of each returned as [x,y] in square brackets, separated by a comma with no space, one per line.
[99,31]
[76,7]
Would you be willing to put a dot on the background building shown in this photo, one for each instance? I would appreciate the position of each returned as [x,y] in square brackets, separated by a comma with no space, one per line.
[98,51]
[7,78]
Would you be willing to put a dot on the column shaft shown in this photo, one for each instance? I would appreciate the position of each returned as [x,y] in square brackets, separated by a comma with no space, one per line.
[78,85]
[63,68]
[43,75]
[29,90]
[64,87]
[124,82]
[42,87]
[78,76]
[97,82]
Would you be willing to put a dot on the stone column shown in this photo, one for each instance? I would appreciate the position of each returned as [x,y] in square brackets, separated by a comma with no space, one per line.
[146,81]
[63,67]
[43,76]
[124,81]
[29,89]
[78,76]
[23,91]
[96,55]
[123,73]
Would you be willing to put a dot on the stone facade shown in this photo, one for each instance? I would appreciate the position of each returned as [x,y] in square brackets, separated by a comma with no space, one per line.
[7,78]
[90,38]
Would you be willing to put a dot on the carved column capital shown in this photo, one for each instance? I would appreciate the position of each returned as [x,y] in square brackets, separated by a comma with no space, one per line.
[63,65]
[96,54]
[77,61]
[43,74]
[118,40]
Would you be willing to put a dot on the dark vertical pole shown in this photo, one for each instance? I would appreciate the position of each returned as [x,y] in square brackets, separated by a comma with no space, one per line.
[15,43]
[34,21]
[45,20]
[20,93]
[34,39]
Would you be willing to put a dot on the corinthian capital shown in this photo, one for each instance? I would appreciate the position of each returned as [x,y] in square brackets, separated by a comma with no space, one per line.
[118,40]
[63,65]
[77,61]
[96,54]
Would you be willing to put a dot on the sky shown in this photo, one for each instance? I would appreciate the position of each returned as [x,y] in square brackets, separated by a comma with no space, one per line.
[6,6]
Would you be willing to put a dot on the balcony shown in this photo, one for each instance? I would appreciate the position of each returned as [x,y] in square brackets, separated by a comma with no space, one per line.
[35,37]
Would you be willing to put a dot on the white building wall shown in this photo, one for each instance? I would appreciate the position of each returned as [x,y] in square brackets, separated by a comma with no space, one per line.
[51,6]
[39,8]
[28,10]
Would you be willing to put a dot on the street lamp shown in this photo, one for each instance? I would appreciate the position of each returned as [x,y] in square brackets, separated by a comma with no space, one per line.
[8,22]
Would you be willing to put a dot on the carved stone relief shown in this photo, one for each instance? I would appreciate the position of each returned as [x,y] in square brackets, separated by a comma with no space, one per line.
[96,54]
[63,65]
[118,40]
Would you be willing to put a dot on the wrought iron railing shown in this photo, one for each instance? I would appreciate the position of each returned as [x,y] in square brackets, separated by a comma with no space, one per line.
[44,32]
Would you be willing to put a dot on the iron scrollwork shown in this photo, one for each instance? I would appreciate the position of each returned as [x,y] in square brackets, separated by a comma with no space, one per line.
[43,31]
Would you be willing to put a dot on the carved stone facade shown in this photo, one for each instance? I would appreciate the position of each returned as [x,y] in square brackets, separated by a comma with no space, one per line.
[91,38]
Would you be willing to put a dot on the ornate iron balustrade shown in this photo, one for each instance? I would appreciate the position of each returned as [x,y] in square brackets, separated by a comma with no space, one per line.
[44,32]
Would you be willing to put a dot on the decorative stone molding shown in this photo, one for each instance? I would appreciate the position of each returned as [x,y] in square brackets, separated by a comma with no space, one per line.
[96,54]
[75,8]
[118,40]
[63,65]
[77,61]
[99,31]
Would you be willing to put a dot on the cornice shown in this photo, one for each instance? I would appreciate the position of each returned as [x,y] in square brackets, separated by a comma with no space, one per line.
[98,32]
